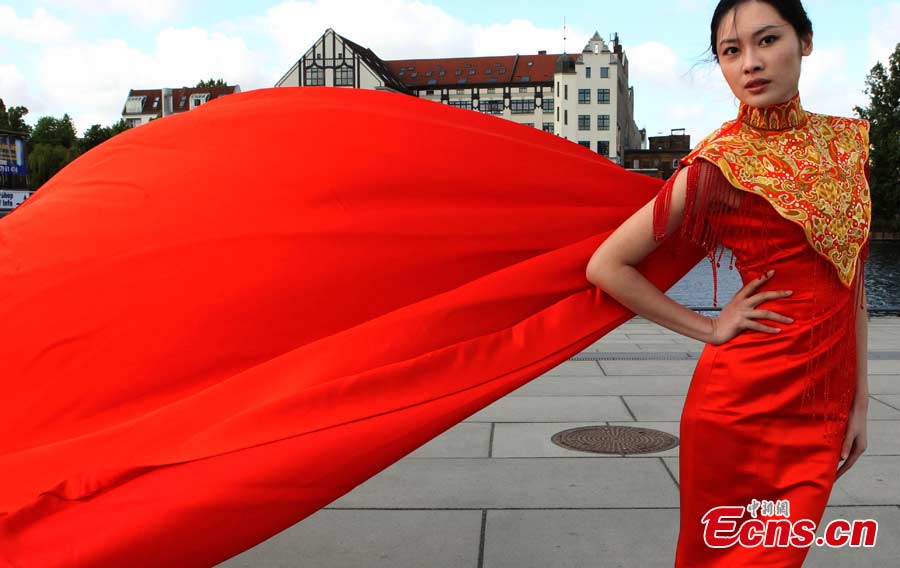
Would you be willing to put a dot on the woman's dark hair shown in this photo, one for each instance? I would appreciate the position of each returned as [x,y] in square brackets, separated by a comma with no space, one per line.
[791,10]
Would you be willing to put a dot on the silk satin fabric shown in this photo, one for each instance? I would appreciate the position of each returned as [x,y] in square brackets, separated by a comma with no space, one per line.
[218,323]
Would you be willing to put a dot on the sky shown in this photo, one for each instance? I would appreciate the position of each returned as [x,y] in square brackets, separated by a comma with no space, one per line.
[81,57]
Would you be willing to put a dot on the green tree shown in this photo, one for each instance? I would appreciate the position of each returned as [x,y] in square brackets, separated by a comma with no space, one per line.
[883,113]
[211,83]
[96,135]
[13,118]
[54,131]
[44,160]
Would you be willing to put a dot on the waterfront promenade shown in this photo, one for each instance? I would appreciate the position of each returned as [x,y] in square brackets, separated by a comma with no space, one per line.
[494,491]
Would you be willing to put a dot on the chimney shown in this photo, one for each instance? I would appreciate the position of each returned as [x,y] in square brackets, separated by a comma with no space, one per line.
[542,52]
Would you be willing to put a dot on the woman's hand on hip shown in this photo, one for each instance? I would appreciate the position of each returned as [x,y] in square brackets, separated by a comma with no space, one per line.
[740,313]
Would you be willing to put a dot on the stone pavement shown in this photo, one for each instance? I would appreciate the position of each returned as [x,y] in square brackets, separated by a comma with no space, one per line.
[495,492]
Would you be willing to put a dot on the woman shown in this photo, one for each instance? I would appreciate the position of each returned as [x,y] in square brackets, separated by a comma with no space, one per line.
[197,356]
[779,395]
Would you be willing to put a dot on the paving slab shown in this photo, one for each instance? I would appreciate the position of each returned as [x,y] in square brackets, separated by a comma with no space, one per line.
[370,539]
[576,539]
[575,369]
[609,386]
[884,384]
[553,409]
[497,483]
[886,551]
[465,440]
[656,407]
[613,368]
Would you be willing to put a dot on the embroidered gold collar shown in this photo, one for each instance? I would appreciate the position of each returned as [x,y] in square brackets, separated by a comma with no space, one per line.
[809,167]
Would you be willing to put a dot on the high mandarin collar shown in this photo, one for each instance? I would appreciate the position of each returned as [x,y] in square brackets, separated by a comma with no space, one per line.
[781,116]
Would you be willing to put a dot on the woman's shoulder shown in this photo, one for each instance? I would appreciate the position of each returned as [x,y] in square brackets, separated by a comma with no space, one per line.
[860,124]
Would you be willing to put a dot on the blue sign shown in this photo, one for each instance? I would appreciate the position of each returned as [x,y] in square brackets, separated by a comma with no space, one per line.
[12,156]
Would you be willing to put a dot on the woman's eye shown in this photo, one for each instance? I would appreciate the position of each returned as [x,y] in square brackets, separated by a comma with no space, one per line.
[767,38]
[728,51]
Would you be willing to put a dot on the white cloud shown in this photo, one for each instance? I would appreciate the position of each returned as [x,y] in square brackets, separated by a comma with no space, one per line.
[138,10]
[405,29]
[13,88]
[885,34]
[41,27]
[825,86]
[92,79]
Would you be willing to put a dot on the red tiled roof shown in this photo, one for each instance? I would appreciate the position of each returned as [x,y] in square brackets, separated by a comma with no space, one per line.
[455,71]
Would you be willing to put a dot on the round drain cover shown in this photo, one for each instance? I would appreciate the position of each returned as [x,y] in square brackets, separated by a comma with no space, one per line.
[621,440]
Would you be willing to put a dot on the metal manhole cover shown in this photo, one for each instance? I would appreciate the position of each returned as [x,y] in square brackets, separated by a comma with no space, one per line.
[621,440]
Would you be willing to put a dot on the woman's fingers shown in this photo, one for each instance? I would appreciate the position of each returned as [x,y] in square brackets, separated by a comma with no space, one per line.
[758,299]
[750,324]
[769,315]
[751,286]
[851,459]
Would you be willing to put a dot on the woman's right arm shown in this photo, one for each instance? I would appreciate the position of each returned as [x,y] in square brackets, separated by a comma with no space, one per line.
[612,268]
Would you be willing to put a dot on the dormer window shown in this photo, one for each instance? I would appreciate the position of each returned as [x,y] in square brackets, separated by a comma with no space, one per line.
[134,105]
[198,99]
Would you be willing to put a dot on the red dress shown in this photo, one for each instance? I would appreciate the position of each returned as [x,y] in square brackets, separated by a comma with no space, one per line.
[764,414]
[220,322]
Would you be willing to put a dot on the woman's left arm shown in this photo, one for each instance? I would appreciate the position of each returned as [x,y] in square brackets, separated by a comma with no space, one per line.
[855,438]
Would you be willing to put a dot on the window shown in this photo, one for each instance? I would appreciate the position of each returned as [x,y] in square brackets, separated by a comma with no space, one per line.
[315,77]
[547,127]
[156,102]
[487,71]
[135,104]
[502,70]
[584,96]
[414,74]
[429,92]
[525,78]
[675,164]
[566,92]
[603,148]
[490,90]
[181,102]
[471,71]
[458,72]
[602,122]
[132,122]
[461,104]
[531,124]
[491,106]
[198,99]
[584,122]
[566,117]
[587,72]
[604,72]
[521,106]
[585,143]
[557,88]
[547,104]
[603,96]
[523,89]
[343,76]
[432,81]
[460,91]
[428,73]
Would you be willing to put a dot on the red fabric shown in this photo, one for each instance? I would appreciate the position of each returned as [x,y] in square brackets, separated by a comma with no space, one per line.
[220,322]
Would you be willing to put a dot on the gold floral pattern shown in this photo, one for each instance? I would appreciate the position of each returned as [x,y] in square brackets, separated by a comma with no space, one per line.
[809,167]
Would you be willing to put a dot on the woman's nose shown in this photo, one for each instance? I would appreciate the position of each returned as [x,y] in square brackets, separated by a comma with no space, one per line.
[751,61]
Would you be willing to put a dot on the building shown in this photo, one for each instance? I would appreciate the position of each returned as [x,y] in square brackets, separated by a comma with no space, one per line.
[661,158]
[13,170]
[584,97]
[143,105]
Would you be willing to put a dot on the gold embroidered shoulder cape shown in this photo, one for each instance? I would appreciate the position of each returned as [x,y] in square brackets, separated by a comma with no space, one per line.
[810,167]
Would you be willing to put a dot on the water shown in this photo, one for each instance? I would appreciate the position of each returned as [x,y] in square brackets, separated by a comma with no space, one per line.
[882,280]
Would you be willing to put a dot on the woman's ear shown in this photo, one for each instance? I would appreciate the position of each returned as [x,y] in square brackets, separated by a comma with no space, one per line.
[806,44]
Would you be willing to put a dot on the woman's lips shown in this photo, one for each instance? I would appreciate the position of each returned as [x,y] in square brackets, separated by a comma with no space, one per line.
[758,88]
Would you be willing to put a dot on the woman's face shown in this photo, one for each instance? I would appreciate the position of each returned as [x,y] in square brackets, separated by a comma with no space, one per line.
[759,54]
